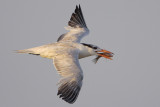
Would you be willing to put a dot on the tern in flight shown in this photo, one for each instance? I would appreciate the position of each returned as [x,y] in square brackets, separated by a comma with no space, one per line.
[65,54]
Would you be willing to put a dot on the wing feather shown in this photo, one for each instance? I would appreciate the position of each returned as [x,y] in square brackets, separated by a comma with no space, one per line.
[68,67]
[76,26]
[77,18]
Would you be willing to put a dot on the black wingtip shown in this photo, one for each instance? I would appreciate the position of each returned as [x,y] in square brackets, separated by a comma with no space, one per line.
[69,92]
[79,6]
[76,8]
[77,19]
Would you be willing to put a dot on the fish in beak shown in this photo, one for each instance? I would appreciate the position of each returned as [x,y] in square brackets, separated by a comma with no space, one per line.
[103,53]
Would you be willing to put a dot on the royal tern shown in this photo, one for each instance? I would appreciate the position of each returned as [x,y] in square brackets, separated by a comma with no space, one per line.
[65,54]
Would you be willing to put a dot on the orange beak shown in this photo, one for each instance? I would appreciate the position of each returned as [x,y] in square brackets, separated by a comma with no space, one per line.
[105,54]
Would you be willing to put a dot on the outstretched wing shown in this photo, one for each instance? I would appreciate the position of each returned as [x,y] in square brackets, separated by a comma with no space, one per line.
[68,67]
[76,26]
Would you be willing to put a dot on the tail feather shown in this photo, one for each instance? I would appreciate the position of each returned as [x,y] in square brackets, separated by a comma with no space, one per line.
[24,51]
[46,51]
[34,51]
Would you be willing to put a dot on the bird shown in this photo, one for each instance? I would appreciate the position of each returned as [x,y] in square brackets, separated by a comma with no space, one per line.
[66,52]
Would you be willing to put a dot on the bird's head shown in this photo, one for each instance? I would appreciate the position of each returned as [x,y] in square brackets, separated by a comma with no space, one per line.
[100,52]
[103,53]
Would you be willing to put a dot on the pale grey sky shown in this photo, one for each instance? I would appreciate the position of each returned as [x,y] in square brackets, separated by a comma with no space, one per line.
[128,28]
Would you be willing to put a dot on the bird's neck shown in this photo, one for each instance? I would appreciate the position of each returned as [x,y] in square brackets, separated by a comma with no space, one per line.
[85,51]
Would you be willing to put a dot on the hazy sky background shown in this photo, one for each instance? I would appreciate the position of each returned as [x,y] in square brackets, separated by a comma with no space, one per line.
[128,28]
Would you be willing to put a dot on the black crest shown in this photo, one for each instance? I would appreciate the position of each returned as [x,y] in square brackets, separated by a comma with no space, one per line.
[90,45]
